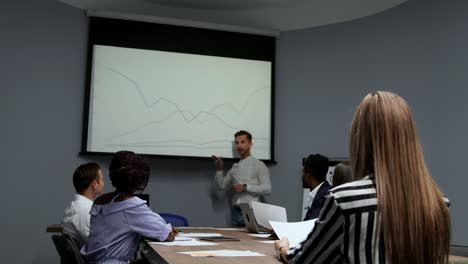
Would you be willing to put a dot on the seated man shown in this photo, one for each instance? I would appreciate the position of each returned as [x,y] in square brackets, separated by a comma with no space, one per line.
[315,168]
[89,184]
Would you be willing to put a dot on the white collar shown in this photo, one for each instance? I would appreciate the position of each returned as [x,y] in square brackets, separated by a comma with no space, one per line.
[314,191]
[80,197]
[250,156]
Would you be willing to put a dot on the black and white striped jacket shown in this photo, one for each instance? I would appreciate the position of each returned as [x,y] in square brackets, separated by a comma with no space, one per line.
[345,231]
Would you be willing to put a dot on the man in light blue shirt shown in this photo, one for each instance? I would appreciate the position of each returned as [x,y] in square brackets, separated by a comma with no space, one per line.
[249,179]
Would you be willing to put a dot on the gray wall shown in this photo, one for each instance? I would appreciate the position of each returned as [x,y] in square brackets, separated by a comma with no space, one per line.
[42,69]
[417,50]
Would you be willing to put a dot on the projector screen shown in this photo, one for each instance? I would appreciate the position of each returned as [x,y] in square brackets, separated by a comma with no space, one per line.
[167,103]
[176,103]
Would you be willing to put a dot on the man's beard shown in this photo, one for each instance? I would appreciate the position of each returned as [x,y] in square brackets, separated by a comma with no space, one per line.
[304,183]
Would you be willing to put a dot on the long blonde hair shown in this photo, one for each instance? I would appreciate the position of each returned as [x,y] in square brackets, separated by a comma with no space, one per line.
[411,212]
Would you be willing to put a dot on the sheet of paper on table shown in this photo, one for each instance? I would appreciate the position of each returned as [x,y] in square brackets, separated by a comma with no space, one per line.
[222,253]
[199,234]
[188,243]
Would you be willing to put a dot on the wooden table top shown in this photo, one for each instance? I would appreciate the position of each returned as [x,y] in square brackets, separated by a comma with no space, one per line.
[458,259]
[168,254]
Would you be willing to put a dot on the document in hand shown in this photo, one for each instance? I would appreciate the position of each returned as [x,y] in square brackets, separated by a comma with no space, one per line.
[296,232]
[264,213]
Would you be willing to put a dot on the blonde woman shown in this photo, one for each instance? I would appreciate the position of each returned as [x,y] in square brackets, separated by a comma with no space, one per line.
[343,173]
[395,213]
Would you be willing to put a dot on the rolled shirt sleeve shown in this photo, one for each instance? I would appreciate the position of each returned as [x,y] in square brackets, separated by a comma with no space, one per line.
[221,180]
[144,221]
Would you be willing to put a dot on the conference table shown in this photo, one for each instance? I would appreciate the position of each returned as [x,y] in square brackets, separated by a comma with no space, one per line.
[161,254]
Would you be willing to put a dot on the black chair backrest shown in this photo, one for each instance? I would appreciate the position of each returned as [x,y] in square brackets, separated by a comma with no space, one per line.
[67,249]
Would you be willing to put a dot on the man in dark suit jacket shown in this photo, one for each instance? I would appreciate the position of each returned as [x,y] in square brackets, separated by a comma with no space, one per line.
[315,168]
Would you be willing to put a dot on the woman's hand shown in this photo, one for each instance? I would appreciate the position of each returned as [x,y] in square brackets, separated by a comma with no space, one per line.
[170,237]
[281,246]
[283,243]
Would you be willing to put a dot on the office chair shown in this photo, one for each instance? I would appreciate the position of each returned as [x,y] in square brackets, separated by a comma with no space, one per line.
[67,249]
[174,220]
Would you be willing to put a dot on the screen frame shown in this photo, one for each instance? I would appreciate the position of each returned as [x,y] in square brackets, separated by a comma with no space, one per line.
[146,35]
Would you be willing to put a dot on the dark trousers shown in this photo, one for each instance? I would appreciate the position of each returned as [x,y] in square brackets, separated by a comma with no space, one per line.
[236,217]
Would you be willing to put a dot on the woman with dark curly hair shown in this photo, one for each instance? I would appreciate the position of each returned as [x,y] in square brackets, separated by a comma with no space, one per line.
[119,219]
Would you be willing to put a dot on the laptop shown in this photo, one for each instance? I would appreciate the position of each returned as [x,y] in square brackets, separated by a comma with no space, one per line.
[249,219]
[264,213]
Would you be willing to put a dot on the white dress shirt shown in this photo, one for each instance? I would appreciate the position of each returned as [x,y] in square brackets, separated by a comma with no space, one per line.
[249,171]
[314,192]
[76,218]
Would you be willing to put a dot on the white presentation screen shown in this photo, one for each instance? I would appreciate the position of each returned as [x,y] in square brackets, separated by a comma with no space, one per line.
[177,104]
